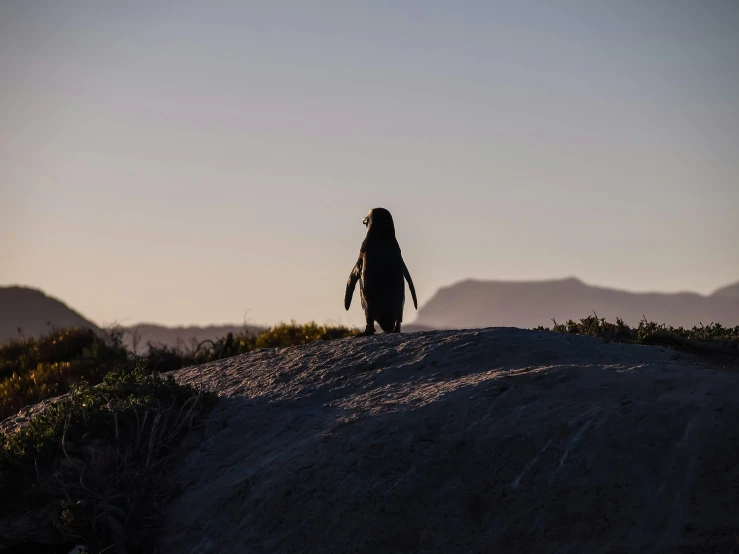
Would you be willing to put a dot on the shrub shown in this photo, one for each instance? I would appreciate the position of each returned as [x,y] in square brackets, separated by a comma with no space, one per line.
[714,339]
[96,461]
[32,370]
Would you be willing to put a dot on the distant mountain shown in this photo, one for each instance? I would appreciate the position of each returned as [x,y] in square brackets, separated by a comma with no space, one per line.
[466,304]
[527,304]
[183,337]
[730,291]
[34,313]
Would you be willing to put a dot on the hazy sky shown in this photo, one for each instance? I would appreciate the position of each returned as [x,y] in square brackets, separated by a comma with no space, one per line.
[184,162]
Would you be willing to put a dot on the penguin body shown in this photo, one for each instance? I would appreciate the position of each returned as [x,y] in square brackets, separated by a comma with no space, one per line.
[380,271]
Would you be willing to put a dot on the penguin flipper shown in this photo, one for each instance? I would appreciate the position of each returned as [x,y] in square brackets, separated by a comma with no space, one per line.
[352,282]
[410,285]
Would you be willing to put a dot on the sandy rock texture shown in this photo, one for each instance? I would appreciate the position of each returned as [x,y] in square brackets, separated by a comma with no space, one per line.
[486,440]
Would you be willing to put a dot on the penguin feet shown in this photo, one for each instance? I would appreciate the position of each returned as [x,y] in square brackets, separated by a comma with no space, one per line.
[368,332]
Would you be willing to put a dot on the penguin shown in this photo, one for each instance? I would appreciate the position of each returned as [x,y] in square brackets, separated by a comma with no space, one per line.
[380,270]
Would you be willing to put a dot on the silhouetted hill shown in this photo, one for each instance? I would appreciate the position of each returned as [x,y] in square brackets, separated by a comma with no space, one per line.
[183,337]
[34,313]
[527,304]
[730,291]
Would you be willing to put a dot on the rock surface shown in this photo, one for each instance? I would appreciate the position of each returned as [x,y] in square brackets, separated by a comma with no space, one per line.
[492,440]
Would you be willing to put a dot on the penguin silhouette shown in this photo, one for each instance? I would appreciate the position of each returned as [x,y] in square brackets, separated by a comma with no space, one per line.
[380,270]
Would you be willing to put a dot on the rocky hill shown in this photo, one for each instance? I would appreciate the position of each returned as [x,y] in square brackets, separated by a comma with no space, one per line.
[493,440]
[34,313]
[530,304]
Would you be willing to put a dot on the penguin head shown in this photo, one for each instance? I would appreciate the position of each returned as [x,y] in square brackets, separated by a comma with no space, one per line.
[379,221]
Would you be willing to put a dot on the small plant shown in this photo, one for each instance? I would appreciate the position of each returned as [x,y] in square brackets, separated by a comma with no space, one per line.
[94,464]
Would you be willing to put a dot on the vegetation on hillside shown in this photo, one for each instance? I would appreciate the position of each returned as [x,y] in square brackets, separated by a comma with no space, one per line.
[279,336]
[32,370]
[713,339]
[93,466]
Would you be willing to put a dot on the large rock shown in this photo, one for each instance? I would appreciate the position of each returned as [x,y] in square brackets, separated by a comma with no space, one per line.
[495,440]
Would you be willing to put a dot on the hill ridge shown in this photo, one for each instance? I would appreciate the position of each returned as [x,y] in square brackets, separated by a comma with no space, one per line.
[528,304]
[34,312]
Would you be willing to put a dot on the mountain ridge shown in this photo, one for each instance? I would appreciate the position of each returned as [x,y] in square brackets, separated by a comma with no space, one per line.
[478,303]
[731,291]
[470,303]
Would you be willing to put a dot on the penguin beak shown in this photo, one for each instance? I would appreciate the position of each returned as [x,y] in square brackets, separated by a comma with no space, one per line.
[365,221]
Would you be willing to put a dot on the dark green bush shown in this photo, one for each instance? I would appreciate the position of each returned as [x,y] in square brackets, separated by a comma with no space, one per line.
[96,461]
[32,370]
